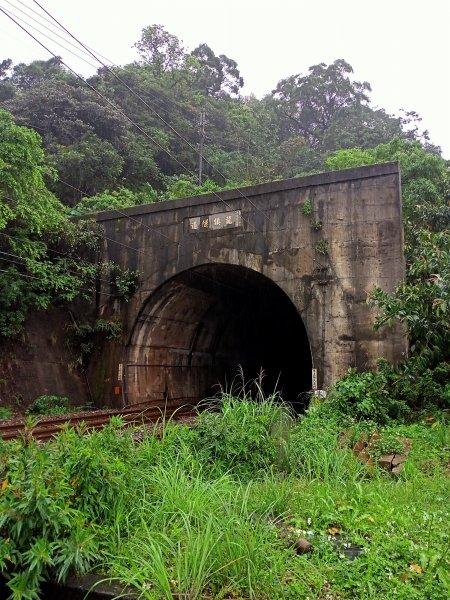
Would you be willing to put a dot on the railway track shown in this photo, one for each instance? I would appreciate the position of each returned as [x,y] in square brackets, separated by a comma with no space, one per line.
[146,414]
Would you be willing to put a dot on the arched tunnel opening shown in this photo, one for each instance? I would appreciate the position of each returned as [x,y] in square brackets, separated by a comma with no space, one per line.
[201,328]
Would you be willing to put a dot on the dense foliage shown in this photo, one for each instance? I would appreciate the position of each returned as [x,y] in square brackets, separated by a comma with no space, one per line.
[32,221]
[131,135]
[44,257]
[136,124]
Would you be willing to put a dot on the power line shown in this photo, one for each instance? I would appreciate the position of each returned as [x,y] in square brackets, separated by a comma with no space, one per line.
[116,109]
[123,113]
[131,121]
[47,36]
[25,276]
[33,260]
[51,22]
[166,100]
[146,104]
[50,29]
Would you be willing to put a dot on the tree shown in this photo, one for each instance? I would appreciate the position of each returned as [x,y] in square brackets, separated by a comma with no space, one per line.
[217,73]
[424,175]
[26,203]
[5,67]
[360,126]
[91,146]
[25,76]
[160,49]
[422,302]
[122,198]
[91,165]
[31,220]
[308,103]
[7,90]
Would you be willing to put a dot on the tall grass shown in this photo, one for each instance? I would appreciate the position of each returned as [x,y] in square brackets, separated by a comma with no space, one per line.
[189,534]
[214,511]
[315,452]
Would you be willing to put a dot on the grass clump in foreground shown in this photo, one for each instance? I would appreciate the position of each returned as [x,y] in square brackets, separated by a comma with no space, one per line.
[214,512]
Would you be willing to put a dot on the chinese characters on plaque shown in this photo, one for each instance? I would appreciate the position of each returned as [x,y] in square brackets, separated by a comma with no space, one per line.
[225,220]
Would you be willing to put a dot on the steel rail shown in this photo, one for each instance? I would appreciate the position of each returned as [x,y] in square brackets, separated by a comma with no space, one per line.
[144,413]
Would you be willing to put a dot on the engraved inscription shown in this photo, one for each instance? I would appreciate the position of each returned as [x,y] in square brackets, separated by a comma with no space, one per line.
[216,221]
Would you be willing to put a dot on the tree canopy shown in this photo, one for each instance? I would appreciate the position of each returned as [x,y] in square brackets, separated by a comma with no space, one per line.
[133,125]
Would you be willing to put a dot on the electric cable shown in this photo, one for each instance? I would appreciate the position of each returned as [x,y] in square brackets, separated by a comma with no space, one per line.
[120,111]
[146,104]
[50,38]
[137,126]
[70,272]
[90,291]
[51,22]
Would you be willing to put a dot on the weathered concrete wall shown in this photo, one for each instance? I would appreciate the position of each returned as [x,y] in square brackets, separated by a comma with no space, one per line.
[360,212]
[38,363]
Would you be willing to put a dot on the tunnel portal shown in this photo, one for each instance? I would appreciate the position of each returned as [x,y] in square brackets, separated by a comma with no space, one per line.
[273,276]
[200,328]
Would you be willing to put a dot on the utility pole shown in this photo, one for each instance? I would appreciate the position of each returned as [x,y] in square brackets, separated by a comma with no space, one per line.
[202,140]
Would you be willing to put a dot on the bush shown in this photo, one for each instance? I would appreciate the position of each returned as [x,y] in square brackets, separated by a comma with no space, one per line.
[57,502]
[49,405]
[41,534]
[429,390]
[5,413]
[369,395]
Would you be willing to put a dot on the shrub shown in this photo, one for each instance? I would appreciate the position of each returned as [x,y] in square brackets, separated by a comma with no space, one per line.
[429,390]
[321,247]
[307,208]
[41,534]
[369,395]
[5,413]
[49,405]
[82,338]
[57,504]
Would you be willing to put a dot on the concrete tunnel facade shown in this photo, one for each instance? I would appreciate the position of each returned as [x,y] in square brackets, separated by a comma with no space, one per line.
[272,277]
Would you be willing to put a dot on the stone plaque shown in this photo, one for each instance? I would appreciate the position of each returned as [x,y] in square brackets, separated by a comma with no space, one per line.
[225,220]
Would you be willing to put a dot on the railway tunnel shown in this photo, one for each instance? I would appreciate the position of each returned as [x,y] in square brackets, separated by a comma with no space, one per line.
[199,329]
[225,280]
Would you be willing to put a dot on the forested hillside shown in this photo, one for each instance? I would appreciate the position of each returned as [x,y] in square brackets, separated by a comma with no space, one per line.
[254,501]
[138,126]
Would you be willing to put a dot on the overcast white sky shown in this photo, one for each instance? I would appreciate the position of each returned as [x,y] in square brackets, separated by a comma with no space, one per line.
[400,47]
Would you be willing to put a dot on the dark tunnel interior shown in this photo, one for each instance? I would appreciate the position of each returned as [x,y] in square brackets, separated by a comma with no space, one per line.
[202,326]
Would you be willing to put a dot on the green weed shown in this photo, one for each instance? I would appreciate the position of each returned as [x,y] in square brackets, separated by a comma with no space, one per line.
[215,511]
[243,435]
[49,405]
[5,413]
